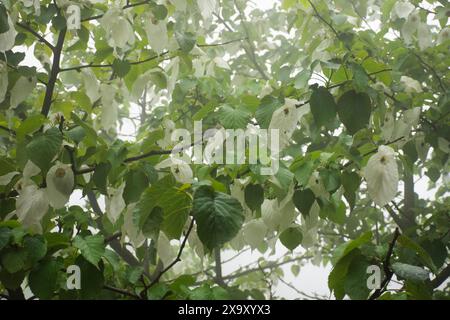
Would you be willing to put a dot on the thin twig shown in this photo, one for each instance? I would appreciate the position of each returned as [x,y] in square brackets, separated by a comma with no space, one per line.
[178,257]
[386,267]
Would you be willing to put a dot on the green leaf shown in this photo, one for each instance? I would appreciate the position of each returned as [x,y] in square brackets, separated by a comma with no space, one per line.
[76,134]
[292,237]
[331,179]
[355,283]
[43,278]
[31,124]
[121,67]
[254,196]
[36,247]
[100,176]
[91,247]
[323,106]
[354,111]
[186,40]
[92,278]
[219,217]
[409,272]
[423,255]
[336,278]
[44,147]
[266,109]
[160,12]
[152,223]
[136,183]
[5,235]
[4,26]
[360,78]
[303,171]
[303,200]
[233,118]
[174,202]
[13,260]
[352,245]
[351,182]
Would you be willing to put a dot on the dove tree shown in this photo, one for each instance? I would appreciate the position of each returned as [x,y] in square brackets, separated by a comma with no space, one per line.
[93,179]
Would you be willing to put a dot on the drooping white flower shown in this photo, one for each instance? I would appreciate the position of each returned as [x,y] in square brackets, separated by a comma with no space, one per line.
[411,85]
[31,206]
[402,9]
[207,7]
[21,90]
[166,141]
[110,108]
[157,35]
[130,228]
[3,80]
[410,26]
[119,32]
[91,85]
[381,174]
[221,63]
[278,215]
[285,120]
[180,169]
[254,232]
[33,3]
[165,250]
[237,191]
[8,38]
[60,183]
[114,203]
[424,36]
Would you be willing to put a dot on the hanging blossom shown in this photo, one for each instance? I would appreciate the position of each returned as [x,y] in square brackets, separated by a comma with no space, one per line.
[119,31]
[179,168]
[381,174]
[60,182]
[8,38]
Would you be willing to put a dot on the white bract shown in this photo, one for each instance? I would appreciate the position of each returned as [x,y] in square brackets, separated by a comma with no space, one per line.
[31,206]
[381,174]
[180,169]
[165,250]
[91,85]
[60,183]
[424,36]
[207,8]
[114,203]
[402,9]
[21,90]
[157,35]
[119,32]
[8,38]
[285,120]
[130,229]
[411,85]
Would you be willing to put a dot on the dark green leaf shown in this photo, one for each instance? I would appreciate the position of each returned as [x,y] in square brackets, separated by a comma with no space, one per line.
[44,147]
[43,279]
[292,237]
[323,106]
[91,247]
[354,110]
[219,217]
[303,200]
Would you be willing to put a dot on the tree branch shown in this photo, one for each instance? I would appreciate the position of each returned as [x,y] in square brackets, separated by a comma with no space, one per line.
[386,267]
[37,35]
[251,51]
[177,259]
[441,277]
[128,5]
[121,291]
[53,73]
